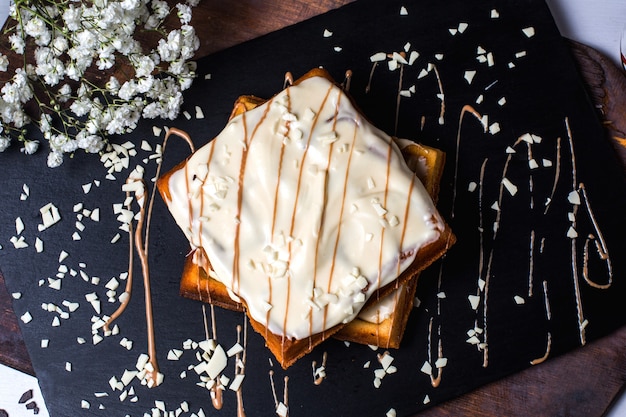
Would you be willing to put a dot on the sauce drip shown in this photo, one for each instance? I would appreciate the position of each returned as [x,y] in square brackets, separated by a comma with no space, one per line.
[139,239]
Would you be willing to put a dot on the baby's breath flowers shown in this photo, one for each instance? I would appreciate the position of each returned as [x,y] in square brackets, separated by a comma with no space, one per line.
[63,43]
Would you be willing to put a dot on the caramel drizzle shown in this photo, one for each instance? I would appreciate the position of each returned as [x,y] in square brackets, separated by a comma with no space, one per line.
[546,301]
[323,214]
[317,380]
[545,356]
[531,263]
[600,244]
[530,178]
[288,77]
[139,239]
[496,228]
[398,98]
[442,108]
[382,229]
[347,81]
[481,230]
[397,294]
[285,392]
[217,399]
[435,380]
[371,76]
[240,365]
[297,197]
[247,142]
[466,109]
[557,174]
[129,280]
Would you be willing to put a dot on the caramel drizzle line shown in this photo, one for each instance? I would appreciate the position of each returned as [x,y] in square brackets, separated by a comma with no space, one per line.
[531,263]
[442,110]
[285,391]
[323,215]
[557,174]
[348,79]
[491,254]
[201,223]
[481,238]
[601,247]
[200,227]
[396,293]
[183,135]
[216,390]
[247,142]
[296,199]
[466,109]
[481,230]
[369,81]
[574,260]
[398,98]
[530,178]
[398,267]
[382,229]
[240,365]
[546,300]
[129,280]
[319,379]
[545,356]
[142,251]
[434,380]
[288,78]
[600,244]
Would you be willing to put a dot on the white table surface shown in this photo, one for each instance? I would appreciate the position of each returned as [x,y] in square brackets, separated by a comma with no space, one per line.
[596,23]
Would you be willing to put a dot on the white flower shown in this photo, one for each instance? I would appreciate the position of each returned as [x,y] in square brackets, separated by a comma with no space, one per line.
[151,111]
[73,72]
[81,107]
[37,29]
[61,142]
[128,90]
[130,4]
[55,159]
[72,37]
[145,84]
[113,85]
[17,43]
[88,142]
[85,40]
[19,117]
[52,71]
[170,49]
[65,93]
[10,93]
[4,143]
[59,45]
[72,18]
[160,9]
[144,66]
[184,13]
[30,147]
[45,123]
[4,62]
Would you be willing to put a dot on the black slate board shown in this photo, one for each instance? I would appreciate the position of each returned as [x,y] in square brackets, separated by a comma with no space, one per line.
[543,96]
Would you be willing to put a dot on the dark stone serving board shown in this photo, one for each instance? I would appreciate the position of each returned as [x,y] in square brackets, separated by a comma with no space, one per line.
[531,252]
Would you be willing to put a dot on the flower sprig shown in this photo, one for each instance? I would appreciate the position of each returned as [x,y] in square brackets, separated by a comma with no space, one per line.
[67,45]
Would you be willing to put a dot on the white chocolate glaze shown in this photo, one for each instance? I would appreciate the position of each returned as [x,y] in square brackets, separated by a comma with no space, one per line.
[303,208]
